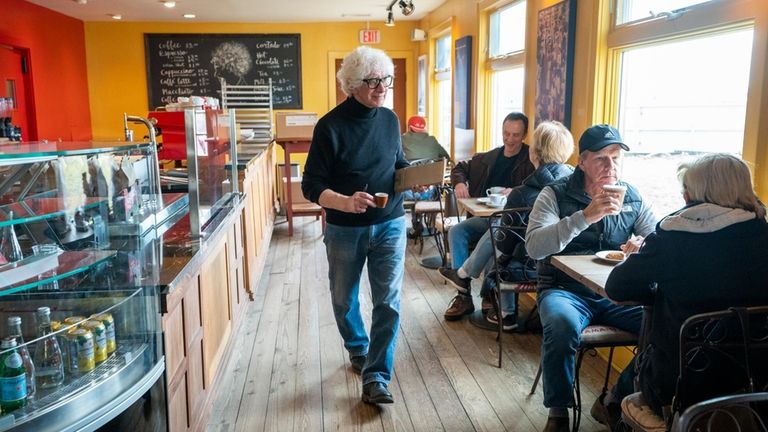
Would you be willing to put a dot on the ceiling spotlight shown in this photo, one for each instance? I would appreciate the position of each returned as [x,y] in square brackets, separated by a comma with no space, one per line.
[406,7]
[116,17]
[81,1]
[390,19]
[189,16]
[169,4]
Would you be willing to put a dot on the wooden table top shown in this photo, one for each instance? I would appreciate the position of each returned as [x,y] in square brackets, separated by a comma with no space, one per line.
[476,208]
[587,269]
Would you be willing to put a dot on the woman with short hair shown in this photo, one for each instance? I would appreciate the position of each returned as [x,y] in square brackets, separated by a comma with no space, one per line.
[708,256]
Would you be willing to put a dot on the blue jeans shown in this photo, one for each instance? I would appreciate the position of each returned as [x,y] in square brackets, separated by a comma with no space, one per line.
[481,256]
[348,248]
[462,235]
[563,316]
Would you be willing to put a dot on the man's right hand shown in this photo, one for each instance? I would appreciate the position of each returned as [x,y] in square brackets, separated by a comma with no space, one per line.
[602,205]
[461,190]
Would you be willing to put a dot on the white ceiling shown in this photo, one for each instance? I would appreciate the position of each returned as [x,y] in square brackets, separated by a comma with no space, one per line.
[237,10]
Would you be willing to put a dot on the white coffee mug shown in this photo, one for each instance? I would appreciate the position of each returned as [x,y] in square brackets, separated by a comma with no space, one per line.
[497,200]
[618,190]
[494,190]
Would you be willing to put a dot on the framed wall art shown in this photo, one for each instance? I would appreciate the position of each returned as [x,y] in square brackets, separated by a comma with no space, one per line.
[463,83]
[554,60]
[421,102]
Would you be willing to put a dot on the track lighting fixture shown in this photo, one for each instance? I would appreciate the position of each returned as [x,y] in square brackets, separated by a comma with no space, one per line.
[406,7]
[390,19]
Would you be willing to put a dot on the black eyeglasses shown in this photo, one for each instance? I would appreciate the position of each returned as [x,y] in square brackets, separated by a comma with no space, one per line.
[372,83]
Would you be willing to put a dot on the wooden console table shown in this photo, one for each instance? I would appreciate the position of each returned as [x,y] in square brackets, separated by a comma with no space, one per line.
[300,209]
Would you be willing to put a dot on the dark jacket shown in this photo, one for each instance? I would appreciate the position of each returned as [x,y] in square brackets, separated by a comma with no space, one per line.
[609,233]
[355,148]
[700,259]
[525,194]
[475,171]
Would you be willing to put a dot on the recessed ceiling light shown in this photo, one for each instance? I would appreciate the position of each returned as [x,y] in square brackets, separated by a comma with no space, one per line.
[116,16]
[189,16]
[81,1]
[169,4]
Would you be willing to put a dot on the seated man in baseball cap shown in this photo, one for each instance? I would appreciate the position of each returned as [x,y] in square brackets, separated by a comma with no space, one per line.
[579,216]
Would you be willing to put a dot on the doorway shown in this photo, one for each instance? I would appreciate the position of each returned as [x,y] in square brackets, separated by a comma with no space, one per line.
[397,91]
[13,84]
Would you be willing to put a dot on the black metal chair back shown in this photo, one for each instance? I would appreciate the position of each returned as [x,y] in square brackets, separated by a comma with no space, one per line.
[743,413]
[722,353]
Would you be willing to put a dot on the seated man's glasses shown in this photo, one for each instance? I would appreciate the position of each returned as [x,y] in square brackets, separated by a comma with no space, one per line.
[372,83]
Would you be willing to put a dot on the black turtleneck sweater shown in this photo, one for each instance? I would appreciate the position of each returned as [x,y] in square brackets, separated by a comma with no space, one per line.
[354,146]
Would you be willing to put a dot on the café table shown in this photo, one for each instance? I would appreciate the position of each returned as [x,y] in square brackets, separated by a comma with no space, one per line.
[477,207]
[588,269]
[593,272]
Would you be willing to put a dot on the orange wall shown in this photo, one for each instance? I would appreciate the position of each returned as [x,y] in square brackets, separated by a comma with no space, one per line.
[118,74]
[57,62]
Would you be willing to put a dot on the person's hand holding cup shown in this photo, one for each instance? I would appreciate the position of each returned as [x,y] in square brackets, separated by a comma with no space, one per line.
[381,198]
[618,192]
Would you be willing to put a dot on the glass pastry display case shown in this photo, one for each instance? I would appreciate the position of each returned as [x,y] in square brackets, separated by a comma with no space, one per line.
[80,254]
[211,153]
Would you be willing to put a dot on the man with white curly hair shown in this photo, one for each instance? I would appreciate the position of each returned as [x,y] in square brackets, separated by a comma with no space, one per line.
[354,153]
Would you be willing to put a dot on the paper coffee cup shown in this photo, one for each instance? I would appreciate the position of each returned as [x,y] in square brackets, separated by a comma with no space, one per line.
[618,190]
[380,198]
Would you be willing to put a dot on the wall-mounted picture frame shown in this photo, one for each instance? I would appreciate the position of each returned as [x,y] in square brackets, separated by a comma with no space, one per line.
[556,34]
[421,101]
[463,83]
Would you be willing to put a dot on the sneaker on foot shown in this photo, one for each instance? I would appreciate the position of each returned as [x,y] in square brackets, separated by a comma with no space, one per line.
[460,305]
[508,323]
[452,276]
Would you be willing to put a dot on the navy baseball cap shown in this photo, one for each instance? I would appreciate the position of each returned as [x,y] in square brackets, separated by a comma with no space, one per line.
[599,137]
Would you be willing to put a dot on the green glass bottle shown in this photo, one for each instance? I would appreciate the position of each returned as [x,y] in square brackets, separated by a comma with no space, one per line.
[13,379]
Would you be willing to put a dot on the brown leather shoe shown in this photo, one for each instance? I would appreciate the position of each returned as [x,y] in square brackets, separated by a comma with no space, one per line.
[460,305]
[557,424]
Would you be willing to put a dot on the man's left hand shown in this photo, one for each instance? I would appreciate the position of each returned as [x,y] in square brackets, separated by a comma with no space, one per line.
[632,245]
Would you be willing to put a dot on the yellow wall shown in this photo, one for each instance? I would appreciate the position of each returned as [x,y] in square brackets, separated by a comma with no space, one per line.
[117,79]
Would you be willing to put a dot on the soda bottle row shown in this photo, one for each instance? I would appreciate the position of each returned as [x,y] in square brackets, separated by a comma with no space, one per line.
[78,350]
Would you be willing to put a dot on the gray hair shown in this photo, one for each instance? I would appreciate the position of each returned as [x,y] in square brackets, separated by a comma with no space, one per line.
[721,179]
[552,142]
[360,64]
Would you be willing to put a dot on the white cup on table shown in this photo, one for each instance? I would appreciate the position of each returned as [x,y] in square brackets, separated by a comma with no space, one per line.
[497,200]
[494,190]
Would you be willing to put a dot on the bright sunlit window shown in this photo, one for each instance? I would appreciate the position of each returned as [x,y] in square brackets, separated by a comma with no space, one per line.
[444,95]
[678,100]
[506,64]
[635,10]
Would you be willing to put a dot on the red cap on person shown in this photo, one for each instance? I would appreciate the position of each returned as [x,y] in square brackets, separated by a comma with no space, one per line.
[417,124]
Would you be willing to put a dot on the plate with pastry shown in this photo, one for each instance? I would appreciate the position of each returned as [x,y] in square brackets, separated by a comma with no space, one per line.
[613,256]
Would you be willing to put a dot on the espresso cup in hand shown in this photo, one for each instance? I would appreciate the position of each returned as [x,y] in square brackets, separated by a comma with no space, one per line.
[381,198]
[619,191]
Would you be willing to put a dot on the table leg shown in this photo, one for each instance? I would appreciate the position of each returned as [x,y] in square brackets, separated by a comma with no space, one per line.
[288,190]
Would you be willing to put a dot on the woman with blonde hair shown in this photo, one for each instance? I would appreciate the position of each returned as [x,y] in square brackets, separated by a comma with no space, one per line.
[708,256]
[550,148]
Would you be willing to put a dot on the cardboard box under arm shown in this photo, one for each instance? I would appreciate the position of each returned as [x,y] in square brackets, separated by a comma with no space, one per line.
[419,175]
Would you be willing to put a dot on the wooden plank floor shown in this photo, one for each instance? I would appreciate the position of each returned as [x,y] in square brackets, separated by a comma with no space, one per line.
[289,370]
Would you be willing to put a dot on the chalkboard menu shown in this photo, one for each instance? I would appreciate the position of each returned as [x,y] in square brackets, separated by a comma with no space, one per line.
[193,64]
